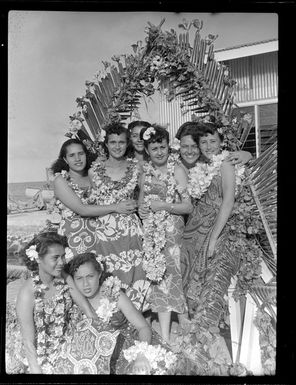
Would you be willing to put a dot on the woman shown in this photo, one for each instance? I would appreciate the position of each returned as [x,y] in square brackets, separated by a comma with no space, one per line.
[137,149]
[72,189]
[119,233]
[163,200]
[43,308]
[207,242]
[113,307]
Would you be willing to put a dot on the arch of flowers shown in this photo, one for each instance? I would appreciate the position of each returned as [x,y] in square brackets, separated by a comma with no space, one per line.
[168,62]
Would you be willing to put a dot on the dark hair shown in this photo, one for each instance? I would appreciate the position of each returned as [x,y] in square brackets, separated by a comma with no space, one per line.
[189,128]
[115,129]
[60,163]
[137,123]
[160,134]
[81,259]
[42,242]
[209,128]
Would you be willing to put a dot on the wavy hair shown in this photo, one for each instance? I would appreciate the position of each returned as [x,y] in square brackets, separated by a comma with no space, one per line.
[160,134]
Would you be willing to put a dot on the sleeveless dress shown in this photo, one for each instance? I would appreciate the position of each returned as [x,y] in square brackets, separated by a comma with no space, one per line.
[51,319]
[119,236]
[96,346]
[167,295]
[80,231]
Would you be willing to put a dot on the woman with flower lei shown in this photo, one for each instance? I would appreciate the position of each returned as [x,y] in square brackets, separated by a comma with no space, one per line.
[114,310]
[43,307]
[119,232]
[163,200]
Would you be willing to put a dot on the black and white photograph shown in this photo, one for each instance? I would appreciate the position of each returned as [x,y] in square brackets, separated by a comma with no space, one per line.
[142,193]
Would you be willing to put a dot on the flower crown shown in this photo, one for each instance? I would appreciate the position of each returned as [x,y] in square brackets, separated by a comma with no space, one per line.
[147,134]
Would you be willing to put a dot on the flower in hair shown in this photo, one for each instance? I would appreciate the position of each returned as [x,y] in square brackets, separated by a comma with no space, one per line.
[101,136]
[147,134]
[176,144]
[68,254]
[100,260]
[31,253]
[220,130]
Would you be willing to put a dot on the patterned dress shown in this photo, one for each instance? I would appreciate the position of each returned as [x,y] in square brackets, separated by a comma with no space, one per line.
[167,295]
[206,280]
[80,231]
[119,236]
[51,319]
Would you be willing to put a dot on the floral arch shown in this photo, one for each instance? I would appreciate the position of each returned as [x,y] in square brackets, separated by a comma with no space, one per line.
[170,63]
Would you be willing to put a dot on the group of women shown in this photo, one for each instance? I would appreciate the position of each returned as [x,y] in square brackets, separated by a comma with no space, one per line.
[154,217]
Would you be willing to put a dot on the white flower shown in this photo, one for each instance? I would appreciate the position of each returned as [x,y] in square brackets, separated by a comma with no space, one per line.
[176,144]
[106,309]
[75,125]
[147,134]
[220,130]
[32,253]
[101,136]
[68,254]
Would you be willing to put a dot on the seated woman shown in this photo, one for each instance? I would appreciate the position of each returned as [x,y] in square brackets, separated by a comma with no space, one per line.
[103,352]
[43,308]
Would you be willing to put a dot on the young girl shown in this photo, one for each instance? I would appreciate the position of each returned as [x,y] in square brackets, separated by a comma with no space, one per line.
[163,200]
[43,306]
[110,304]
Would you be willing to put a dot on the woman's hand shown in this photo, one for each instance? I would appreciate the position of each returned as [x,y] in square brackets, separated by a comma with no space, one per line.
[239,157]
[143,211]
[141,365]
[158,206]
[126,207]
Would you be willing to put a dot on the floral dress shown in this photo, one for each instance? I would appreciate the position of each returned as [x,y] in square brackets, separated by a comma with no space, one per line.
[51,319]
[80,231]
[166,289]
[119,236]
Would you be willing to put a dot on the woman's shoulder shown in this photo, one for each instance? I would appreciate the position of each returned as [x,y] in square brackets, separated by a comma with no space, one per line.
[26,292]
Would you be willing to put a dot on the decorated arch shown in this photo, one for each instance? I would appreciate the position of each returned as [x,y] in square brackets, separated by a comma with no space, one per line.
[182,67]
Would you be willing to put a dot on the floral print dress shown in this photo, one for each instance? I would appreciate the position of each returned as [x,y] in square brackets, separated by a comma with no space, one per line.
[80,231]
[119,236]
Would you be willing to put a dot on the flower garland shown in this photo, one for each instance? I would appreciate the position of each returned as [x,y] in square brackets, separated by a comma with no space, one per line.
[201,175]
[155,225]
[113,191]
[108,305]
[161,361]
[49,321]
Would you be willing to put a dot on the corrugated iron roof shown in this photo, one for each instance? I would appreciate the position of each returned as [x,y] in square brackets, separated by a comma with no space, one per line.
[246,45]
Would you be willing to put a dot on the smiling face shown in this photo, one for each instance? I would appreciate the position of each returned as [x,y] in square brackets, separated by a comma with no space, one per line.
[137,143]
[158,152]
[189,150]
[117,145]
[87,279]
[53,261]
[210,145]
[75,157]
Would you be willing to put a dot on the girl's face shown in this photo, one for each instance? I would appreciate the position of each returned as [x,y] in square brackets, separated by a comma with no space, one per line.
[75,157]
[87,279]
[210,145]
[158,152]
[137,143]
[53,261]
[117,145]
[189,150]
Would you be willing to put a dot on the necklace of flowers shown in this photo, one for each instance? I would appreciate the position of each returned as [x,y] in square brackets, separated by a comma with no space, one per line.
[48,341]
[154,226]
[161,361]
[201,175]
[109,193]
[110,292]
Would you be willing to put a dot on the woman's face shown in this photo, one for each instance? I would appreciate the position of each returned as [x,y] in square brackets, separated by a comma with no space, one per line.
[210,145]
[158,152]
[117,145]
[137,143]
[75,157]
[53,261]
[189,150]
[87,279]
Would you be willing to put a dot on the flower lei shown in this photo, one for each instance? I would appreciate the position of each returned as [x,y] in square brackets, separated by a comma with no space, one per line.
[109,193]
[108,304]
[49,323]
[160,360]
[154,226]
[201,175]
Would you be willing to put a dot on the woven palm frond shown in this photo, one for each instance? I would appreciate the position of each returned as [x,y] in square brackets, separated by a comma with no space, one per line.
[264,188]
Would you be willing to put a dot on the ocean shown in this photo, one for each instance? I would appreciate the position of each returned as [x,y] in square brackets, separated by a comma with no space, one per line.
[17,191]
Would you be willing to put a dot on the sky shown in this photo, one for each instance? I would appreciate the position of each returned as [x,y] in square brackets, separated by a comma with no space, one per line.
[52,54]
